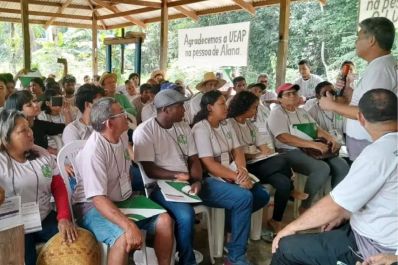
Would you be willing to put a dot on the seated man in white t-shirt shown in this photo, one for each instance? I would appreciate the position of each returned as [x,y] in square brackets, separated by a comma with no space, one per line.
[367,196]
[3,92]
[268,96]
[240,84]
[165,147]
[103,179]
[80,129]
[327,120]
[374,43]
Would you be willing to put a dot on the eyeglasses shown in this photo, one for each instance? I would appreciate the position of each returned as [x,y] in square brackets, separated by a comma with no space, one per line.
[289,94]
[122,114]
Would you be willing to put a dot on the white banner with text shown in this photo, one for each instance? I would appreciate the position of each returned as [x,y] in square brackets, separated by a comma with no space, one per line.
[214,46]
[379,8]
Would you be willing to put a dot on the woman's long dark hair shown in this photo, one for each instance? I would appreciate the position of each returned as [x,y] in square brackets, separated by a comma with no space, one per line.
[241,103]
[208,98]
[17,99]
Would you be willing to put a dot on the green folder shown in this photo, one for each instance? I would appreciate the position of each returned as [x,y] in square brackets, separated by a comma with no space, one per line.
[309,129]
[179,185]
[139,208]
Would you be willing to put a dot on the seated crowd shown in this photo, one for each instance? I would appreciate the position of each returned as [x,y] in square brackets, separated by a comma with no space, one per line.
[227,147]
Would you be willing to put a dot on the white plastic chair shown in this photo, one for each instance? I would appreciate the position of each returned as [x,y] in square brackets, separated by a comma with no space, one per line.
[149,185]
[68,153]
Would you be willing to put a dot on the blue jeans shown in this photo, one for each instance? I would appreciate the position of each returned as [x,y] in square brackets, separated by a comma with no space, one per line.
[50,228]
[318,248]
[239,204]
[184,218]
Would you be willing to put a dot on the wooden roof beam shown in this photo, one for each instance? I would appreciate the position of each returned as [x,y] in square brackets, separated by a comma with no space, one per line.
[59,11]
[116,10]
[45,14]
[156,5]
[246,6]
[183,2]
[209,11]
[43,22]
[126,13]
[189,13]
[47,3]
[96,15]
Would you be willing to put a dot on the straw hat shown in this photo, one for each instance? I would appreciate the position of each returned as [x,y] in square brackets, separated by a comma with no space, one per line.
[105,76]
[84,251]
[210,76]
[157,72]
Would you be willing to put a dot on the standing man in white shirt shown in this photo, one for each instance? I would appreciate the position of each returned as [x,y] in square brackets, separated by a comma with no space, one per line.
[307,81]
[366,196]
[374,43]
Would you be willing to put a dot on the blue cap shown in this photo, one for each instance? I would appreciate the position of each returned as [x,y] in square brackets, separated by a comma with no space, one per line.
[168,85]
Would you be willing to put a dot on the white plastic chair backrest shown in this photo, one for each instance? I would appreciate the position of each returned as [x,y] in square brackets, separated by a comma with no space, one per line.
[68,153]
[148,182]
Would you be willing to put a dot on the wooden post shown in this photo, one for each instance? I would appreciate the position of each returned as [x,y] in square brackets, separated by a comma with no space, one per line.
[164,29]
[284,18]
[94,45]
[12,246]
[25,33]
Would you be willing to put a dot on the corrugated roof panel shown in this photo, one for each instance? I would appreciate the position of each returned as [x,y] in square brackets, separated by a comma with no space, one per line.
[86,11]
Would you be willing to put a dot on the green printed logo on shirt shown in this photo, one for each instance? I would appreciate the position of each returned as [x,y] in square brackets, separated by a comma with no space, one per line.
[126,155]
[47,171]
[182,139]
[253,134]
[228,135]
[339,117]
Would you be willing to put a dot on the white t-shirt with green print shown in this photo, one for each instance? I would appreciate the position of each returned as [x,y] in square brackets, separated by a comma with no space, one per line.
[102,169]
[167,148]
[211,142]
[31,179]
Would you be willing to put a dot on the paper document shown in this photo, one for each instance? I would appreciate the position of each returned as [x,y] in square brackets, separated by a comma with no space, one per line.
[139,208]
[176,191]
[10,213]
[260,158]
[31,217]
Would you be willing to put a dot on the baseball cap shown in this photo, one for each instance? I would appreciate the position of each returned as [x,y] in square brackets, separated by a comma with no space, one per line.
[168,85]
[168,97]
[286,87]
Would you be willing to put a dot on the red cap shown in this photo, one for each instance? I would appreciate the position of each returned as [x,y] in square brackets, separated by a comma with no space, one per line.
[286,87]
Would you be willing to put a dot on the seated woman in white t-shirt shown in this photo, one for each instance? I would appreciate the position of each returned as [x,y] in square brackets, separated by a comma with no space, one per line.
[273,170]
[55,110]
[31,172]
[293,128]
[230,186]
